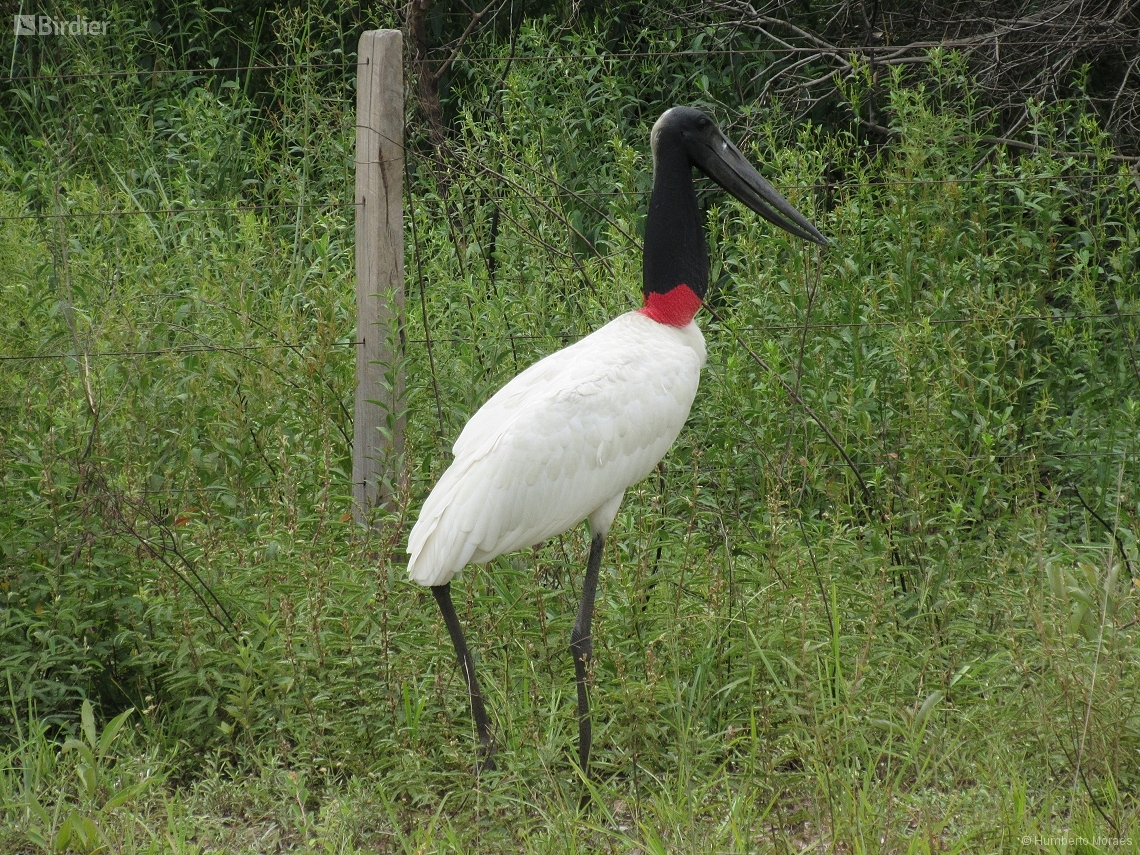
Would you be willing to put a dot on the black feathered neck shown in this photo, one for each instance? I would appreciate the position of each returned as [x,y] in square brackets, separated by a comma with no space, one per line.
[675,248]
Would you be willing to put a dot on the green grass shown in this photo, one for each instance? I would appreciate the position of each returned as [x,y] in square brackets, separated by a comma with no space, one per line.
[945,663]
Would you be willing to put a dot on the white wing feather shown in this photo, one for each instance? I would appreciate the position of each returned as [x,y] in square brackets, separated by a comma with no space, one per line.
[559,442]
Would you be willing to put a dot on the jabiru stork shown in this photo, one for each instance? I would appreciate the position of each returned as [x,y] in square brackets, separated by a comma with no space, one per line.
[563,440]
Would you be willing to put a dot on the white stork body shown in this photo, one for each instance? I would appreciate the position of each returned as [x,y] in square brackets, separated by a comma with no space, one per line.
[560,443]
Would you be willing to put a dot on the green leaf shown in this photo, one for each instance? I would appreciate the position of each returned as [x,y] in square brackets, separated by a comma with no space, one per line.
[37,838]
[122,796]
[87,715]
[88,778]
[85,752]
[112,730]
[38,810]
[1057,581]
[927,705]
[63,835]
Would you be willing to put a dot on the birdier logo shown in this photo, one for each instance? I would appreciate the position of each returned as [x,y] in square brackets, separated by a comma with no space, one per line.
[46,25]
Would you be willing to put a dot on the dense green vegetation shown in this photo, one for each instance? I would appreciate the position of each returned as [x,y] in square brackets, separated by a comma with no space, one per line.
[930,649]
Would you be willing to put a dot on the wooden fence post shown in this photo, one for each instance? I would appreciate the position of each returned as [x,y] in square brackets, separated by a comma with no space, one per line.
[378,420]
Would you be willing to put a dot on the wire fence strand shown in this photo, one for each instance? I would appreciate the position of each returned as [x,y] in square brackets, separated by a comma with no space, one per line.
[212,209]
[583,195]
[787,50]
[892,461]
[51,76]
[566,336]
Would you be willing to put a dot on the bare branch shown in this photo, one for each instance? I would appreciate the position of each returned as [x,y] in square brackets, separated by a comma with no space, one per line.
[1017,52]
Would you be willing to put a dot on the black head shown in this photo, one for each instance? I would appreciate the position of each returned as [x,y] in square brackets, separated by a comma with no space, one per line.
[709,150]
[675,251]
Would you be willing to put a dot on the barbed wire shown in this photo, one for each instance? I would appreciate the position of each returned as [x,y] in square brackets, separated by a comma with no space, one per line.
[854,185]
[903,459]
[167,351]
[615,55]
[832,186]
[918,322]
[213,209]
[143,72]
[556,336]
[775,51]
[938,321]
[890,461]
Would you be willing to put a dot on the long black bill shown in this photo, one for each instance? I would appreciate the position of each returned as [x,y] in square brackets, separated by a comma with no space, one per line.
[723,163]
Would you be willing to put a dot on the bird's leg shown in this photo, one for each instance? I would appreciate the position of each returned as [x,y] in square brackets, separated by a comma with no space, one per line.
[582,646]
[478,709]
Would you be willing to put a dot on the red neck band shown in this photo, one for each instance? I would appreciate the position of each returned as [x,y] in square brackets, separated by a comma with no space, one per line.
[676,308]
